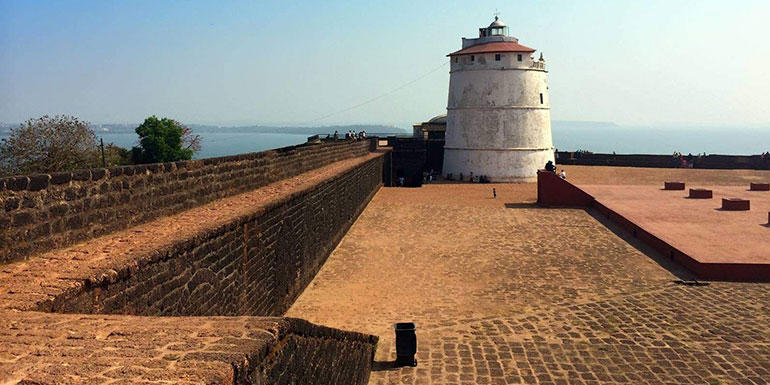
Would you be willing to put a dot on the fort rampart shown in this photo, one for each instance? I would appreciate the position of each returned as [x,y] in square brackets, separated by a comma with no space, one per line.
[256,264]
[722,162]
[234,236]
[46,211]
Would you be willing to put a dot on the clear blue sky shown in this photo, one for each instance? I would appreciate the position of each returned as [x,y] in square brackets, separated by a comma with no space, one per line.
[289,62]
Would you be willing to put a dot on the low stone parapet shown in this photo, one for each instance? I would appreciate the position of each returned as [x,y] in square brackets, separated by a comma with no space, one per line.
[47,211]
[735,204]
[251,254]
[87,349]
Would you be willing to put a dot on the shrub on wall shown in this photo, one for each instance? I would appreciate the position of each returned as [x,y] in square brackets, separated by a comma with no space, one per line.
[49,144]
[164,140]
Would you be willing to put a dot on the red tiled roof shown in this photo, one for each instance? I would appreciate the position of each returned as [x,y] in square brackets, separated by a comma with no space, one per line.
[496,46]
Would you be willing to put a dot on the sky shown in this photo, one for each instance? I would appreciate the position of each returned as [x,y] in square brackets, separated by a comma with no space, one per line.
[649,62]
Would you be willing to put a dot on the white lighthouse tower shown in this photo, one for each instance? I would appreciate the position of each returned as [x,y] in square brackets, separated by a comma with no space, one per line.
[498,117]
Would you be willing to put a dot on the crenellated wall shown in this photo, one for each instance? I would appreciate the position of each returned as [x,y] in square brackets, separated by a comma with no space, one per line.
[47,211]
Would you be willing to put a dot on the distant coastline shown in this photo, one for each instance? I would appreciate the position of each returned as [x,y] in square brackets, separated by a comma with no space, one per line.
[600,137]
[609,137]
[201,128]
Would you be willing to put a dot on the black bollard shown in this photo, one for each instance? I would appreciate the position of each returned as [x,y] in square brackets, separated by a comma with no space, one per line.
[406,344]
[494,193]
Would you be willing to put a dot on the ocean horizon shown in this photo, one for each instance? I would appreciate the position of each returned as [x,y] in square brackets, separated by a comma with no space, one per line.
[567,136]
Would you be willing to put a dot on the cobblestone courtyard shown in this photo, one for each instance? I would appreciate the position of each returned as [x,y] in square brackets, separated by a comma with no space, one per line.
[503,292]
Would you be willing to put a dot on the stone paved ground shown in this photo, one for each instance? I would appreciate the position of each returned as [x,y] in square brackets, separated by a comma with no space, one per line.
[503,292]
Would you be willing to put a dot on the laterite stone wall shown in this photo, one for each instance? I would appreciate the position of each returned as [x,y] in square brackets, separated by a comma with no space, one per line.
[255,265]
[314,354]
[47,211]
[56,349]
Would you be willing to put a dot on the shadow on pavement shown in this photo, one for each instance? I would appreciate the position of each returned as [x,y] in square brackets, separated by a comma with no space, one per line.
[532,205]
[380,366]
[664,262]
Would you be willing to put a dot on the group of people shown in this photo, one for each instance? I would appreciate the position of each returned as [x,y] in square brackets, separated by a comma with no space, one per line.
[580,153]
[428,177]
[685,162]
[351,134]
[471,178]
[550,167]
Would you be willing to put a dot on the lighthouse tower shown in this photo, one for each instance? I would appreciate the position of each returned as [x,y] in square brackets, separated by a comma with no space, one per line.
[498,117]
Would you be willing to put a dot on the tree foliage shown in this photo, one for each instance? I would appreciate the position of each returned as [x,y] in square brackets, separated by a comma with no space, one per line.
[49,144]
[164,140]
[116,155]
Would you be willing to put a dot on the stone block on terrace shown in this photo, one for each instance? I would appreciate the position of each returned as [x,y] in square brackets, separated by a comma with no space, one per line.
[736,204]
[701,193]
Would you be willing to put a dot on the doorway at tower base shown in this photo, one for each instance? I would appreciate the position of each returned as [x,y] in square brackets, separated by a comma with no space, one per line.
[499,165]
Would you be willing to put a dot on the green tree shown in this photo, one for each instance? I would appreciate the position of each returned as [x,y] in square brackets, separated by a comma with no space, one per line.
[49,144]
[116,155]
[164,140]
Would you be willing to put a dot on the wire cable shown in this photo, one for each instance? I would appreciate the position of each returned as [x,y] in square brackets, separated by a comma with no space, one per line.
[377,97]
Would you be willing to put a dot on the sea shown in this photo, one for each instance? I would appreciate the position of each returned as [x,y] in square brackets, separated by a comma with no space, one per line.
[214,144]
[603,138]
[567,136]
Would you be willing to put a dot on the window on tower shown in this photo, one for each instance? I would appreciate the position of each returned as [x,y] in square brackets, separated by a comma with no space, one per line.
[519,58]
[541,98]
[497,57]
[473,58]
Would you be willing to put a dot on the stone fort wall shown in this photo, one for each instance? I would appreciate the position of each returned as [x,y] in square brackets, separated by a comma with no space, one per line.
[718,162]
[255,263]
[46,211]
[56,349]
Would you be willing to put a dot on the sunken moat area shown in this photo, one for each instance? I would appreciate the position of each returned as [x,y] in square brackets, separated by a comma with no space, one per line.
[291,266]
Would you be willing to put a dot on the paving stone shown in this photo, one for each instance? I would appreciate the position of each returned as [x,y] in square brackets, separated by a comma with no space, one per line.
[503,292]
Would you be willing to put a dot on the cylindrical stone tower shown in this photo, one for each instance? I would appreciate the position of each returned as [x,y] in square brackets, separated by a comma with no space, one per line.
[498,118]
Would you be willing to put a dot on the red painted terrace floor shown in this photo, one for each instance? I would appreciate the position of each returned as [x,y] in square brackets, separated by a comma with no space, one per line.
[697,227]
